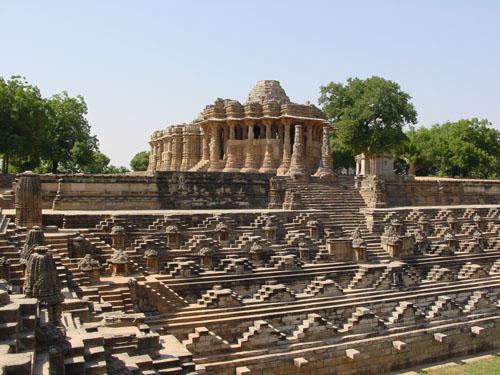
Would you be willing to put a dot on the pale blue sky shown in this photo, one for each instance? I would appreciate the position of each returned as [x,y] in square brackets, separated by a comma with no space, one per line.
[144,64]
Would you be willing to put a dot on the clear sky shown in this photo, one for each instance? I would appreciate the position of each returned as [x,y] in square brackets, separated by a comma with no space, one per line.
[144,64]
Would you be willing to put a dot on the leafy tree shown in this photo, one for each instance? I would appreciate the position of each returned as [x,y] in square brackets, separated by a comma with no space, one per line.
[369,114]
[99,163]
[140,161]
[68,139]
[416,152]
[343,157]
[465,148]
[22,121]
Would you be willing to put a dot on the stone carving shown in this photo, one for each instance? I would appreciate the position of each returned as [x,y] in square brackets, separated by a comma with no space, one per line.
[325,169]
[91,267]
[298,170]
[250,138]
[119,263]
[28,200]
[42,282]
[118,237]
[152,260]
[34,238]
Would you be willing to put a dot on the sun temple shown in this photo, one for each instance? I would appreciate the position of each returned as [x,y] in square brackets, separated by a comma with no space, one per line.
[242,251]
[254,137]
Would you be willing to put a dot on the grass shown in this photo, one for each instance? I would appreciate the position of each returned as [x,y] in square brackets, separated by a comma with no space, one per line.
[489,366]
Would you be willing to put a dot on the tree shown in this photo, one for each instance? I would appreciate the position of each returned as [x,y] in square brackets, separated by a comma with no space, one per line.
[416,152]
[68,139]
[140,161]
[465,148]
[369,114]
[343,157]
[22,121]
[99,163]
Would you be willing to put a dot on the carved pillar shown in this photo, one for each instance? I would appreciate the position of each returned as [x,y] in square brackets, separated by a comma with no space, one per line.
[168,149]
[325,169]
[186,149]
[28,200]
[151,163]
[157,155]
[215,160]
[298,170]
[285,162]
[176,160]
[205,144]
[250,154]
[202,149]
[161,155]
[232,162]
[267,163]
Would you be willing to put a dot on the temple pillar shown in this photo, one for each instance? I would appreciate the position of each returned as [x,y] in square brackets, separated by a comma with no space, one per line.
[308,145]
[203,153]
[168,150]
[298,169]
[267,162]
[158,155]
[161,156]
[285,162]
[186,149]
[250,153]
[28,200]
[176,160]
[233,160]
[215,150]
[325,169]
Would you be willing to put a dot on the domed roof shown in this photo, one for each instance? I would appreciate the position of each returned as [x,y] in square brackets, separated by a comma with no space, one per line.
[267,91]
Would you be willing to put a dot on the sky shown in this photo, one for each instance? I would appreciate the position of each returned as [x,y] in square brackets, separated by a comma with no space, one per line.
[142,65]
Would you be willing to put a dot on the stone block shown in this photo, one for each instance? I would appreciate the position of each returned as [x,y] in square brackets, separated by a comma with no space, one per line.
[352,353]
[300,362]
[399,345]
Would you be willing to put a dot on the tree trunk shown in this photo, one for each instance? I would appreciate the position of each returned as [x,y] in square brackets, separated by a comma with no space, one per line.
[412,168]
[55,164]
[5,163]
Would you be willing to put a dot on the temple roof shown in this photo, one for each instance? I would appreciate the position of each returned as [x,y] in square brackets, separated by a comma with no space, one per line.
[267,91]
[267,99]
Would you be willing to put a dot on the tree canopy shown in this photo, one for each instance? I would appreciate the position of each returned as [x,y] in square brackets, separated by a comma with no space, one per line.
[47,135]
[140,161]
[67,138]
[368,115]
[465,148]
[22,121]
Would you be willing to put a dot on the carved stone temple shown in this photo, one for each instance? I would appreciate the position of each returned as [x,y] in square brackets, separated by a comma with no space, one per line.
[283,266]
[257,136]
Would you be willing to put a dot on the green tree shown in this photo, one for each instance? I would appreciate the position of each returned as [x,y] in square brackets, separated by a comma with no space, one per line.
[343,157]
[99,163]
[22,122]
[140,161]
[369,114]
[67,139]
[465,148]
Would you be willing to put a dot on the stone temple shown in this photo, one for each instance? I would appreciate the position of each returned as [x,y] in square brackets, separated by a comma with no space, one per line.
[241,251]
[255,137]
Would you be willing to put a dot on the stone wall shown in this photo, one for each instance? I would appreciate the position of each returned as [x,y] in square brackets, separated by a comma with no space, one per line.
[427,191]
[163,190]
